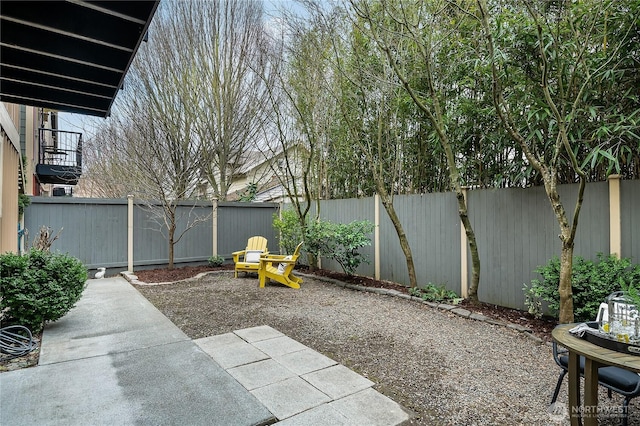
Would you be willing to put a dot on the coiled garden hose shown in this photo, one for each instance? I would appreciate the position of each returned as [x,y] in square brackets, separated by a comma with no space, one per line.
[15,341]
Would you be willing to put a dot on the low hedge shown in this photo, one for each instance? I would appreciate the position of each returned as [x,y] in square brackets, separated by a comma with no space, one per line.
[39,286]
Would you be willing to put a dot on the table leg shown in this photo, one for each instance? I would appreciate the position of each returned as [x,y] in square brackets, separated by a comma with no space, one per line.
[574,388]
[590,414]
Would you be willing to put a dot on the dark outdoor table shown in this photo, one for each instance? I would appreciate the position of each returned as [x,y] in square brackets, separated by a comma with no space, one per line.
[595,357]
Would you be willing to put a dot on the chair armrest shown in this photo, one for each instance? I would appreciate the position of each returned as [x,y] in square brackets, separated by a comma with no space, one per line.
[236,255]
[273,257]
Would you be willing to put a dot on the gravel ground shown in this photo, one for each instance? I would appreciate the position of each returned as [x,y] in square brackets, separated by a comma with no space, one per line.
[447,369]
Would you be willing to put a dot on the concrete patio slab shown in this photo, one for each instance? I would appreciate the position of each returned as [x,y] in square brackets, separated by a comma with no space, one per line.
[370,408]
[261,373]
[151,373]
[230,351]
[110,317]
[256,334]
[289,397]
[279,346]
[305,361]
[337,381]
[322,415]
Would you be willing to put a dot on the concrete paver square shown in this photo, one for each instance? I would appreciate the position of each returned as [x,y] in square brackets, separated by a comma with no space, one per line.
[279,346]
[229,352]
[305,361]
[219,340]
[289,397]
[322,415]
[261,373]
[380,410]
[337,381]
[255,334]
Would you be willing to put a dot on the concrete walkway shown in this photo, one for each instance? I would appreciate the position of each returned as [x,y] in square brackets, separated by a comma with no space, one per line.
[116,360]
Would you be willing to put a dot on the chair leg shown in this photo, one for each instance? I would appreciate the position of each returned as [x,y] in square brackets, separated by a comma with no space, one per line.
[557,390]
[625,411]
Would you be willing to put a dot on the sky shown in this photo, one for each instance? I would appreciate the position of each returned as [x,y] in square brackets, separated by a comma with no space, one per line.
[87,124]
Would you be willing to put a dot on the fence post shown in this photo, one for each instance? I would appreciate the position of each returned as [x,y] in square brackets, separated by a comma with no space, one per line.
[464,242]
[130,233]
[214,228]
[615,234]
[376,236]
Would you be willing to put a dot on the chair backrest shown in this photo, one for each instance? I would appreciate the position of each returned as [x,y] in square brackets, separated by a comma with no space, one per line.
[257,244]
[296,253]
[286,268]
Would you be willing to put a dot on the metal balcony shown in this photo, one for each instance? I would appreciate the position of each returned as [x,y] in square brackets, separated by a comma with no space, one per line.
[60,160]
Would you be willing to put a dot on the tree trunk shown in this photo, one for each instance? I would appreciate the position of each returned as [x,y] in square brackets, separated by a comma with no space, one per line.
[564,287]
[387,202]
[473,246]
[567,233]
[172,232]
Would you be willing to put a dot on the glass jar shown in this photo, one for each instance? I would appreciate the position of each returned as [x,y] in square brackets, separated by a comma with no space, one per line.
[622,322]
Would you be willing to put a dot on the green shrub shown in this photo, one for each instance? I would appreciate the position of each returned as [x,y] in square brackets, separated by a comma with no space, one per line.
[343,242]
[336,241]
[591,283]
[216,260]
[39,286]
[288,225]
[434,293]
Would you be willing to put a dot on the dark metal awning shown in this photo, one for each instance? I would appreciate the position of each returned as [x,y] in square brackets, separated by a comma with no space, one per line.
[69,55]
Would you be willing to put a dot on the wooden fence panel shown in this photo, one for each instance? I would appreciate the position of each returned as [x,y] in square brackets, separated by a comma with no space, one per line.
[94,231]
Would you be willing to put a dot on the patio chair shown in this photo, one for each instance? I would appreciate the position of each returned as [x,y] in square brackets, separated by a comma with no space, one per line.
[248,260]
[282,272]
[615,379]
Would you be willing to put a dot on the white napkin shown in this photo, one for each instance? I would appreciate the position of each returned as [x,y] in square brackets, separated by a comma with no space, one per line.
[580,329]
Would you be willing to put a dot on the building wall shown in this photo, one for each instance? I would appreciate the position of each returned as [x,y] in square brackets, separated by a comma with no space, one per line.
[10,161]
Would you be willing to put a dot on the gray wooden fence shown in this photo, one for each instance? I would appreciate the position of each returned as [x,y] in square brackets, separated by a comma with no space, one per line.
[515,229]
[96,230]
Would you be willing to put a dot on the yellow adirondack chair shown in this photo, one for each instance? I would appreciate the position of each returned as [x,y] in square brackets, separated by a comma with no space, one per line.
[248,260]
[279,268]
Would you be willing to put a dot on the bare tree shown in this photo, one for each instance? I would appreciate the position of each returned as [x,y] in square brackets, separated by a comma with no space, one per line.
[150,147]
[227,99]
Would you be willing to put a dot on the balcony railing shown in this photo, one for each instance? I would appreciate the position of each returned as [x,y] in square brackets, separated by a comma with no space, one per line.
[60,160]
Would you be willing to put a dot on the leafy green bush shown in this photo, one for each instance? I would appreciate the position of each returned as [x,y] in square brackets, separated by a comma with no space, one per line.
[39,286]
[216,260]
[591,283]
[288,225]
[434,293]
[342,242]
[336,241]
